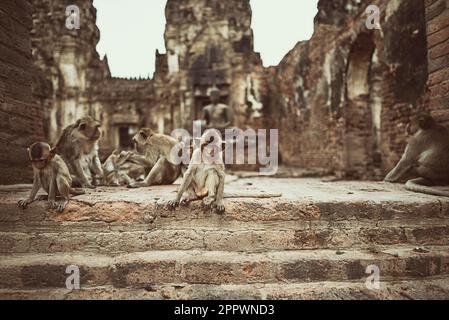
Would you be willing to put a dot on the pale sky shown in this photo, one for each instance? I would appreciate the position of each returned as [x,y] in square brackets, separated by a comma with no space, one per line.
[132,30]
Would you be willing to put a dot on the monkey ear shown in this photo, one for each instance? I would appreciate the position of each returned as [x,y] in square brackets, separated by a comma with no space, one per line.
[82,126]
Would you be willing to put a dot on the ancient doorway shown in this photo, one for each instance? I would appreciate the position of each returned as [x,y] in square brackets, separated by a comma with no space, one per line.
[126,134]
[363,110]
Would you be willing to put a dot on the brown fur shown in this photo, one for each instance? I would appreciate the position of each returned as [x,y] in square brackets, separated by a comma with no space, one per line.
[118,171]
[78,146]
[205,178]
[52,174]
[155,155]
[425,162]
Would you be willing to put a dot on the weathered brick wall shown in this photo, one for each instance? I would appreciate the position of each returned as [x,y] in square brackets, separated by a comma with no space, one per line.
[437,16]
[343,99]
[20,118]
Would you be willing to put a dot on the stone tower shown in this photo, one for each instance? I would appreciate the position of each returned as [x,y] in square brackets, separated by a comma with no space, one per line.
[208,43]
[67,63]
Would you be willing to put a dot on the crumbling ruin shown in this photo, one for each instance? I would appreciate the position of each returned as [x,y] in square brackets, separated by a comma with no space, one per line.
[342,102]
[345,110]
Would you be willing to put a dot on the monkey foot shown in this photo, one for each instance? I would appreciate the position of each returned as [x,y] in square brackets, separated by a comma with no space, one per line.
[173,204]
[136,185]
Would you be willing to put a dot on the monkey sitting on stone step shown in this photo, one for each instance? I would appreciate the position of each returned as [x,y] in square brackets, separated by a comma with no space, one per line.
[205,177]
[78,146]
[52,174]
[425,162]
[155,155]
[119,171]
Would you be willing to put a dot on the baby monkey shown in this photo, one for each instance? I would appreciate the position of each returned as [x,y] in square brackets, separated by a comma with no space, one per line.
[205,177]
[52,174]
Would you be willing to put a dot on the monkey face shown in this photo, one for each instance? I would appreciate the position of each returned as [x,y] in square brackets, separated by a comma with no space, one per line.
[141,138]
[422,120]
[40,154]
[89,128]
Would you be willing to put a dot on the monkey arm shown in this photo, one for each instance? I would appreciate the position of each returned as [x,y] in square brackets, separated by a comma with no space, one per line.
[186,182]
[220,188]
[219,204]
[403,168]
[34,190]
[52,189]
[141,160]
[97,169]
[36,187]
[80,173]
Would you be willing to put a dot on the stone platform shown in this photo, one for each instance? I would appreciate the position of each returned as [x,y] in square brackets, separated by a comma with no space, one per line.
[314,242]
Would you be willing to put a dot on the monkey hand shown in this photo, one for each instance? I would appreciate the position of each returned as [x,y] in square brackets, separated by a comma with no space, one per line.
[207,202]
[88,186]
[126,155]
[61,205]
[52,204]
[184,201]
[24,203]
[172,204]
[219,205]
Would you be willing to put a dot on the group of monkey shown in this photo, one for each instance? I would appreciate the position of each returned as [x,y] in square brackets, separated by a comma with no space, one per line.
[74,161]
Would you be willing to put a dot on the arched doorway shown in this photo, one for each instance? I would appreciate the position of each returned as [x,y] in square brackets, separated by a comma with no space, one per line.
[363,110]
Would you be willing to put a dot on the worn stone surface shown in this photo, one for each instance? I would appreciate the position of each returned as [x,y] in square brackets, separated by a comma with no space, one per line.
[138,270]
[437,289]
[128,245]
[310,215]
[20,117]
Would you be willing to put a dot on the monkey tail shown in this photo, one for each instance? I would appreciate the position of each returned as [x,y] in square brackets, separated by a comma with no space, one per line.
[252,195]
[77,192]
[414,186]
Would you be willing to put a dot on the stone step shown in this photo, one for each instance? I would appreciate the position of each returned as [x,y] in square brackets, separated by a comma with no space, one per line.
[432,288]
[140,270]
[216,235]
[302,200]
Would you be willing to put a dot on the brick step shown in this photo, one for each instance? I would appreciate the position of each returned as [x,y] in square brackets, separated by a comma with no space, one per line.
[432,288]
[216,235]
[139,270]
[302,200]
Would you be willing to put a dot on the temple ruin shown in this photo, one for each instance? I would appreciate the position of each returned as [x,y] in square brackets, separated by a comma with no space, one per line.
[342,102]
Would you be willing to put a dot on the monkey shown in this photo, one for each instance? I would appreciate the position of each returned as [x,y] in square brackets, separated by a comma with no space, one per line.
[52,174]
[205,177]
[118,170]
[425,162]
[78,146]
[155,154]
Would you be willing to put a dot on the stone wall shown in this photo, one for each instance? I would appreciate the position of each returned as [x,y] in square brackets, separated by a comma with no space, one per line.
[343,99]
[437,16]
[20,117]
